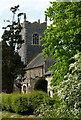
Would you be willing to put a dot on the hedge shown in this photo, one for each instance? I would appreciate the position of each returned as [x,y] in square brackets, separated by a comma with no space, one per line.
[25,103]
[41,84]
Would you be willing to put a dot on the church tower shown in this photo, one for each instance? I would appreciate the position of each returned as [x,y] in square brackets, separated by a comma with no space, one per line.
[31,33]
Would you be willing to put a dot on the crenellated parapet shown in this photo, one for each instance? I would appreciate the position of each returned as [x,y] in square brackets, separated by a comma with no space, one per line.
[31,33]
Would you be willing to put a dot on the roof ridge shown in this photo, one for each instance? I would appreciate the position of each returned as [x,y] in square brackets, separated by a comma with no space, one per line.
[34,58]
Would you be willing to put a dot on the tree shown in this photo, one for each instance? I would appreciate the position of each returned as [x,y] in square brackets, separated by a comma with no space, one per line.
[41,84]
[63,37]
[69,89]
[11,61]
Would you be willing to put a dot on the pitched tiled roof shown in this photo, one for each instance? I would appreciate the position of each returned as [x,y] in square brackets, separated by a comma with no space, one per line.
[48,73]
[36,62]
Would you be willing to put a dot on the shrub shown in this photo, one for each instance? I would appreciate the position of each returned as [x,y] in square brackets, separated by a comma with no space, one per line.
[39,97]
[69,93]
[6,102]
[25,103]
[41,84]
[47,110]
[69,90]
[21,104]
[43,110]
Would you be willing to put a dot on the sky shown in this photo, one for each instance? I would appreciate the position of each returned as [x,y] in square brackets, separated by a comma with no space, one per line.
[34,10]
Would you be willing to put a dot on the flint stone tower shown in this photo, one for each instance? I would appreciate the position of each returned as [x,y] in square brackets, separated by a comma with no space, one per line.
[32,45]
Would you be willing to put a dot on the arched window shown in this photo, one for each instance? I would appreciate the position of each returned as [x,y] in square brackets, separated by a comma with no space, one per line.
[35,39]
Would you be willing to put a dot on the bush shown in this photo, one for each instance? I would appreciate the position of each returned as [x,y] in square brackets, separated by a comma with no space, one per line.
[21,104]
[6,102]
[25,103]
[41,84]
[69,90]
[44,111]
[48,110]
[39,97]
[18,103]
[68,105]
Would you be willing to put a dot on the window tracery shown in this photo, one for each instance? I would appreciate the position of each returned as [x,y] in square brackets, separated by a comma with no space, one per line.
[35,39]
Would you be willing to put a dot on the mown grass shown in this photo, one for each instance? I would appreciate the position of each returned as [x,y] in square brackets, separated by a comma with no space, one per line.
[7,114]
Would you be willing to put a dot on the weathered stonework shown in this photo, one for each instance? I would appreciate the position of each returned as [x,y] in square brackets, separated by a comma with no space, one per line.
[37,68]
[28,50]
[32,75]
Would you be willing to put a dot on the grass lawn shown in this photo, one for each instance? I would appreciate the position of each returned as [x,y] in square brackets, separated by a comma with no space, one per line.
[6,114]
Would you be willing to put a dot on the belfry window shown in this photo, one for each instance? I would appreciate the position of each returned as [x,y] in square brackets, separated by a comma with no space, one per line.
[35,39]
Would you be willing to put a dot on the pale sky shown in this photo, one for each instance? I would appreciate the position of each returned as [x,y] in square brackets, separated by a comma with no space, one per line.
[34,10]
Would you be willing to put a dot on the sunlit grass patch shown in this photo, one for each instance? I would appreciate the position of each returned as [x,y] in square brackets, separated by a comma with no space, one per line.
[7,114]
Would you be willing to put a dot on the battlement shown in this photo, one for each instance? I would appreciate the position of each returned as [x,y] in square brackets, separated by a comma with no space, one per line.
[31,33]
[25,24]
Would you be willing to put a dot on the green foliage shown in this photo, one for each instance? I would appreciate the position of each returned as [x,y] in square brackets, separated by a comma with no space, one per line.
[6,102]
[69,89]
[68,100]
[44,111]
[21,104]
[62,37]
[60,69]
[48,110]
[39,97]
[25,103]
[41,84]
[63,40]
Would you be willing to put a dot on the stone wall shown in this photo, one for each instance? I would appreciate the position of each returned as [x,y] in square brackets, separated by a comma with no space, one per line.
[32,75]
[28,51]
[49,88]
